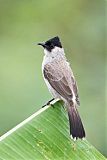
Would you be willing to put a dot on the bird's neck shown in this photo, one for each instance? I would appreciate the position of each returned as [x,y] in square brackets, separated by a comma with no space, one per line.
[55,52]
[54,56]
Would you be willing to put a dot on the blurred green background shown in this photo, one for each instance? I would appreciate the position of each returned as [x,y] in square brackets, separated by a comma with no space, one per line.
[80,25]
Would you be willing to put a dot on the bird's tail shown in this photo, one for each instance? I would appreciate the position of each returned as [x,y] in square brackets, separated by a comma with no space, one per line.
[76,126]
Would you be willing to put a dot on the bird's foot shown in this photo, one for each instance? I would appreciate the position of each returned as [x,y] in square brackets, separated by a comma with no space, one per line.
[48,103]
[51,102]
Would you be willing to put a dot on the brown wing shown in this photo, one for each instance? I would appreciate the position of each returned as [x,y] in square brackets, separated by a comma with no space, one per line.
[61,79]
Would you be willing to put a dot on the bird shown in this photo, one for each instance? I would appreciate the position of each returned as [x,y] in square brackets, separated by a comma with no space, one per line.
[61,83]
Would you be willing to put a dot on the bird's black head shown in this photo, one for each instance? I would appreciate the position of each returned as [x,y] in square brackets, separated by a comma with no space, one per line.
[51,43]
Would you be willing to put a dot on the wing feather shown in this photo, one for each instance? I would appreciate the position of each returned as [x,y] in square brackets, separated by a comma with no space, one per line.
[61,79]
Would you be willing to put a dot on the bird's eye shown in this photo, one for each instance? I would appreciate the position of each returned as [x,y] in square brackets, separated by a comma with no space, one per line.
[48,43]
[51,45]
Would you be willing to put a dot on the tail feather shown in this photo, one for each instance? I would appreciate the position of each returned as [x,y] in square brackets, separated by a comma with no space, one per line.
[76,126]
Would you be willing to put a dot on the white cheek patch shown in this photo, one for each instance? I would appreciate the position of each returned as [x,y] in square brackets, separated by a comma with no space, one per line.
[46,52]
[57,50]
[54,51]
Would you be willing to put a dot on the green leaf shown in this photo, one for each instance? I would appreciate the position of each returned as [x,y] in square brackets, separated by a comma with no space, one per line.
[45,136]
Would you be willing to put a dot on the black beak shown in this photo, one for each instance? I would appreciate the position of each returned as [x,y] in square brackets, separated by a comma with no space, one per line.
[42,44]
